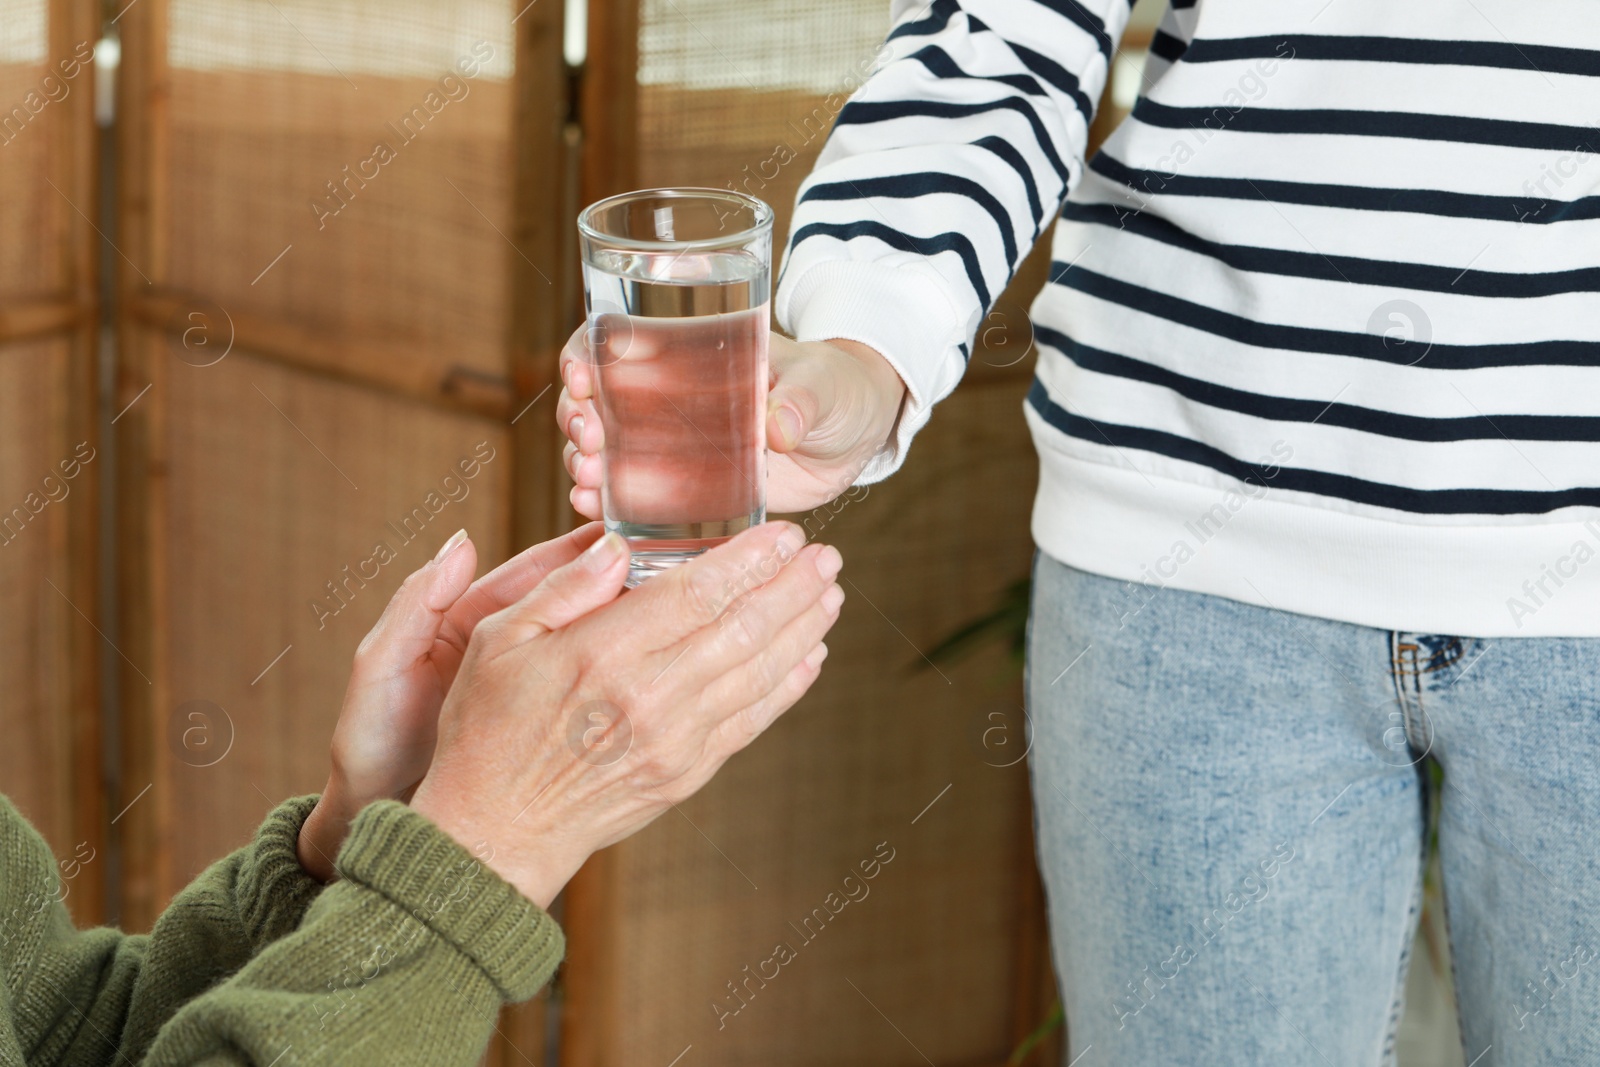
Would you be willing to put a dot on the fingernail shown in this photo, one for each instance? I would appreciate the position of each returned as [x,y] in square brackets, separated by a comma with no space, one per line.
[832,597]
[829,562]
[575,430]
[451,545]
[815,657]
[789,425]
[604,552]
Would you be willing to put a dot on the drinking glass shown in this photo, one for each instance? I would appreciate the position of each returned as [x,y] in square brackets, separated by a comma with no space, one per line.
[676,286]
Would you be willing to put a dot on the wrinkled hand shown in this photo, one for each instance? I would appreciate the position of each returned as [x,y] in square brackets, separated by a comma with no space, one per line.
[384,740]
[832,406]
[578,717]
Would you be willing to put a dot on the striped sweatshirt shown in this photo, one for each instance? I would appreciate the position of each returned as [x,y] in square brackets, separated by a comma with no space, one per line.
[1321,330]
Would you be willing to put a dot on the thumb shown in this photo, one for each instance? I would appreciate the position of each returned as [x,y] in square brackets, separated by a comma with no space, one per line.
[795,401]
[406,631]
[570,592]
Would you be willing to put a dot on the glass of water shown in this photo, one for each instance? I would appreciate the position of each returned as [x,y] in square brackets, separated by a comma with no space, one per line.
[677,285]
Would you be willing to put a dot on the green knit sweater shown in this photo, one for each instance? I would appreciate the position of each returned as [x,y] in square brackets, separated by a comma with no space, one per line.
[404,960]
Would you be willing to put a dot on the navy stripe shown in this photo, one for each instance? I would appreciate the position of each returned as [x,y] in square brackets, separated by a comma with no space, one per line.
[1349,416]
[1057,75]
[940,65]
[1349,269]
[862,113]
[1331,342]
[1504,55]
[935,21]
[1351,197]
[1296,479]
[1332,122]
[1167,46]
[1084,19]
[1002,148]
[922,246]
[922,183]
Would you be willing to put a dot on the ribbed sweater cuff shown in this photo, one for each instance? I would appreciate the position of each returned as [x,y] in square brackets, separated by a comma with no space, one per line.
[398,853]
[273,890]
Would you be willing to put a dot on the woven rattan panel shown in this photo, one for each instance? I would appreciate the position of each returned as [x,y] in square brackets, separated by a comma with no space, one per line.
[31,95]
[331,185]
[49,461]
[368,145]
[277,484]
[42,709]
[934,944]
[742,94]
[926,963]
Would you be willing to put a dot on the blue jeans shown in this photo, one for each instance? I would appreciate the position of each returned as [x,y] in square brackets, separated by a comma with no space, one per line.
[1232,808]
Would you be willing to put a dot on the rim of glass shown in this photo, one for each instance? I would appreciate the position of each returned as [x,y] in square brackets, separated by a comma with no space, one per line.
[762,210]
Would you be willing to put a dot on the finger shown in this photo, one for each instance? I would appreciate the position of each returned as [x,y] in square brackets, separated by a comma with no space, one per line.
[673,605]
[580,422]
[585,502]
[512,580]
[566,411]
[584,470]
[760,673]
[793,402]
[749,722]
[568,593]
[589,472]
[575,362]
[749,627]
[744,726]
[414,616]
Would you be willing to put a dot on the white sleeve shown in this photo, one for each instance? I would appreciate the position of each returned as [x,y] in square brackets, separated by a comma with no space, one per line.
[940,174]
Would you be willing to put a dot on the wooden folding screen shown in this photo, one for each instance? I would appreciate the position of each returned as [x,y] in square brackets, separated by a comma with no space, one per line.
[333,291]
[313,331]
[50,453]
[675,933]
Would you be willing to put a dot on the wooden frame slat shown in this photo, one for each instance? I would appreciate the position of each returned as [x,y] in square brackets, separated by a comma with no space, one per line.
[543,270]
[541,266]
[63,313]
[21,320]
[411,372]
[609,100]
[77,164]
[142,137]
[608,115]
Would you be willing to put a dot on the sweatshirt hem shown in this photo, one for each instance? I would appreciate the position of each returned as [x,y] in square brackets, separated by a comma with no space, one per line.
[1253,546]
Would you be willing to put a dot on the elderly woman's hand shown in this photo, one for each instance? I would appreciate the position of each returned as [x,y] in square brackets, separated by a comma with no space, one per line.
[384,740]
[574,721]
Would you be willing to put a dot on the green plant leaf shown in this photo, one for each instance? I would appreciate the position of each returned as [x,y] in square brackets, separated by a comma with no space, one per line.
[1006,622]
[1040,1032]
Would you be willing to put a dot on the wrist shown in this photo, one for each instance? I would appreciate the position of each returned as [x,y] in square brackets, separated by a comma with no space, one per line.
[321,835]
[536,864]
[883,381]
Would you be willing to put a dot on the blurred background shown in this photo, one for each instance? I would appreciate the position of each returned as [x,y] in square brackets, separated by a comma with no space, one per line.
[269,269]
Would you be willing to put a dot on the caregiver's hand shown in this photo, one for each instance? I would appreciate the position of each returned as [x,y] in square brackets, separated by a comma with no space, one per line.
[384,740]
[833,404]
[576,720]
